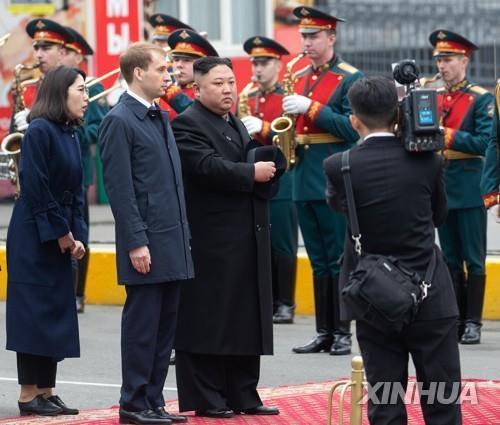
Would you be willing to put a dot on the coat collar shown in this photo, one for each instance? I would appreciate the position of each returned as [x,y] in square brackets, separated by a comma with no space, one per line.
[138,108]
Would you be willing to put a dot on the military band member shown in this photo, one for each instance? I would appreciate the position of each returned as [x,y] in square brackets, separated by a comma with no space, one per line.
[164,25]
[466,111]
[74,56]
[490,181]
[263,103]
[48,46]
[323,128]
[186,45]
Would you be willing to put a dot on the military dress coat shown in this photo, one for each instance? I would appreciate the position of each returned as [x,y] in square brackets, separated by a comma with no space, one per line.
[143,180]
[177,99]
[227,309]
[87,133]
[490,180]
[466,112]
[326,121]
[41,312]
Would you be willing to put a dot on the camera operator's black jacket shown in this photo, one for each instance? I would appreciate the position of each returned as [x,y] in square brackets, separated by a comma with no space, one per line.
[400,198]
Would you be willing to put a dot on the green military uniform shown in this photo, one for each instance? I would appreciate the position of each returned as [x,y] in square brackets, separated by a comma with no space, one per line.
[87,136]
[490,182]
[324,129]
[466,114]
[266,105]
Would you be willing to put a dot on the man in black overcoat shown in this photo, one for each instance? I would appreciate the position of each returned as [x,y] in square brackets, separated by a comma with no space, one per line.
[399,200]
[143,180]
[225,314]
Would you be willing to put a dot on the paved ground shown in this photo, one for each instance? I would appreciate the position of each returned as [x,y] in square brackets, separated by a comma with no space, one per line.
[93,380]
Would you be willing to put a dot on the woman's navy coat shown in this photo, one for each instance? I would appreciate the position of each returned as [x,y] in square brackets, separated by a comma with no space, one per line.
[41,313]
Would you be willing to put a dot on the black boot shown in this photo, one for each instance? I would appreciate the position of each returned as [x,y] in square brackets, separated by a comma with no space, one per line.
[459,285]
[286,268]
[83,266]
[324,326]
[341,328]
[474,315]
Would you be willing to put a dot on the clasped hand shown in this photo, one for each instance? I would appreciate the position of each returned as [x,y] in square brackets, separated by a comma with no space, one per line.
[68,243]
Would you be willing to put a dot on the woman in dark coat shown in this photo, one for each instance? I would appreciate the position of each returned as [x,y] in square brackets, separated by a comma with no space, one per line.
[45,231]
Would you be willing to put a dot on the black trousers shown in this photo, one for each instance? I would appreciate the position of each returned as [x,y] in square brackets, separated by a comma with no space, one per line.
[212,382]
[36,370]
[434,350]
[149,320]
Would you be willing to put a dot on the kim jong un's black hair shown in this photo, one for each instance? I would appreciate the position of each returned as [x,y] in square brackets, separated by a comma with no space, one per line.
[203,66]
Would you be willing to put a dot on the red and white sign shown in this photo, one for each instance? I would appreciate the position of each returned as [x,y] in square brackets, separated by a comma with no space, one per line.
[117,23]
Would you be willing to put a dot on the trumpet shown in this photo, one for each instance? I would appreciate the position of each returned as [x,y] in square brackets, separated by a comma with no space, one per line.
[94,81]
[4,38]
[434,82]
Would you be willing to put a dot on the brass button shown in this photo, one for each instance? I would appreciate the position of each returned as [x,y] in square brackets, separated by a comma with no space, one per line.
[306,128]
[448,98]
[262,100]
[340,77]
[310,94]
[306,147]
[261,114]
[314,77]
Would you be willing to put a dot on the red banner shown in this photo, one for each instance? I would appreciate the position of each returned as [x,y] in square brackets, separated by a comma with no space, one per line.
[117,24]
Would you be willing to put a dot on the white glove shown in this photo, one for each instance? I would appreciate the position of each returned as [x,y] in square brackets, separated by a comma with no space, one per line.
[494,212]
[20,120]
[296,104]
[253,124]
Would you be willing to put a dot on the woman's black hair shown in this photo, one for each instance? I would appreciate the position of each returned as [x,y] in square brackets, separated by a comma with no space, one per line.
[52,96]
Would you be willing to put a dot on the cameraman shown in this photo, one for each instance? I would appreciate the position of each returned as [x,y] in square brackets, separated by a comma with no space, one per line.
[400,199]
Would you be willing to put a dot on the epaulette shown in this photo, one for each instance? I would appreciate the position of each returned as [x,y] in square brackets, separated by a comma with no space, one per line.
[478,90]
[344,66]
[302,71]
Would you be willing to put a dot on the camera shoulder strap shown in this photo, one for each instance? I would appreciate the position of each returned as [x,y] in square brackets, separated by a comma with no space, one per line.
[353,221]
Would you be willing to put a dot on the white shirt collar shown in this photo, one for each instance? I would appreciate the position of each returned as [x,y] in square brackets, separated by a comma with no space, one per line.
[379,134]
[139,99]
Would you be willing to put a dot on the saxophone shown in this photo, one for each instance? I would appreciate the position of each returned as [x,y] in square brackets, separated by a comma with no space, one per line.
[10,147]
[284,125]
[243,104]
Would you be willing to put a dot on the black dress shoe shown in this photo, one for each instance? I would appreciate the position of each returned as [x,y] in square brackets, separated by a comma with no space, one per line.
[341,345]
[472,334]
[38,406]
[316,345]
[162,413]
[261,410]
[284,314]
[65,409]
[216,413]
[144,417]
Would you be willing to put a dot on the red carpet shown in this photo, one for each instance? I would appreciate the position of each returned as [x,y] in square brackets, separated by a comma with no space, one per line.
[299,405]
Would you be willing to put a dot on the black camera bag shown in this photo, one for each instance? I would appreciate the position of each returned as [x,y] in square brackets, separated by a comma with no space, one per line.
[380,290]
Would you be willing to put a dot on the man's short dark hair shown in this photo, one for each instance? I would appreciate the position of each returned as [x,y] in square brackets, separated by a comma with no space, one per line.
[374,101]
[203,66]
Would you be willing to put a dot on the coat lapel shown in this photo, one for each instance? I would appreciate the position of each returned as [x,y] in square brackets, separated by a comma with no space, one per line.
[217,127]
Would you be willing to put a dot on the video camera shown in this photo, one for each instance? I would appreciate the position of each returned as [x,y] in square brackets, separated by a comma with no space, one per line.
[418,124]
